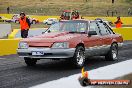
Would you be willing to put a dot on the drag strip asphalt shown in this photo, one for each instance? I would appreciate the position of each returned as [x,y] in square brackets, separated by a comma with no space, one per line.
[15,74]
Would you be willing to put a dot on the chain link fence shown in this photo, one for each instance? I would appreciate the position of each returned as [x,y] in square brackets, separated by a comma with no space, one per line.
[33,11]
[54,11]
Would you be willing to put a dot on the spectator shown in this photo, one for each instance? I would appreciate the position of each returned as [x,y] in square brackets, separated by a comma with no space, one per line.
[118,22]
[113,1]
[8,10]
[25,25]
[129,12]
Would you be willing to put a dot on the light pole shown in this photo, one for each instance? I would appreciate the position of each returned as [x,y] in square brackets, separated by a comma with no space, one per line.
[112,12]
[113,1]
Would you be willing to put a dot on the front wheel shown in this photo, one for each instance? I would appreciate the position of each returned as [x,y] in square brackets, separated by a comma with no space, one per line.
[30,61]
[79,57]
[46,23]
[113,53]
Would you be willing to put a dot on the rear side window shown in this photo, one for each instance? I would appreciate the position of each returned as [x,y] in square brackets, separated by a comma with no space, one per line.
[94,27]
[103,29]
[109,29]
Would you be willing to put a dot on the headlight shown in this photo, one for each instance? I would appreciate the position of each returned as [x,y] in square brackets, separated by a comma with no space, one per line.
[23,45]
[61,45]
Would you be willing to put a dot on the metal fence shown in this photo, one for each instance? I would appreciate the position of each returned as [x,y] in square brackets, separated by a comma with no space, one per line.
[55,11]
[32,11]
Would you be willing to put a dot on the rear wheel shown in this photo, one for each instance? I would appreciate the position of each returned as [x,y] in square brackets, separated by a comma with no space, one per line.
[33,22]
[79,57]
[113,53]
[30,61]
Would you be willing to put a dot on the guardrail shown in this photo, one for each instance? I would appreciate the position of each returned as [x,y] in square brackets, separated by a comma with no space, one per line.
[5,30]
[126,32]
[8,46]
[125,20]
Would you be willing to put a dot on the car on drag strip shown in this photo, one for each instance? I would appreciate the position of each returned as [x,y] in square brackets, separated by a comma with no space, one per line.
[3,19]
[73,40]
[16,17]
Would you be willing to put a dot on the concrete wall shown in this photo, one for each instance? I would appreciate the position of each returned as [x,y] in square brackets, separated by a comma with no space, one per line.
[125,32]
[8,46]
[5,29]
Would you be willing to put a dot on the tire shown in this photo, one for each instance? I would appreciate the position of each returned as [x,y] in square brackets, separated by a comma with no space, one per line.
[46,23]
[112,55]
[16,21]
[30,61]
[33,22]
[79,57]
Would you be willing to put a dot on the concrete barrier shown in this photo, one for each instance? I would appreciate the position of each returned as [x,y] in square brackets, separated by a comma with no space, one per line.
[125,20]
[8,46]
[5,29]
[125,32]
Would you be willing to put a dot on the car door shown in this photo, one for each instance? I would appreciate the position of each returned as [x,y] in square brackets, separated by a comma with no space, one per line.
[92,43]
[106,36]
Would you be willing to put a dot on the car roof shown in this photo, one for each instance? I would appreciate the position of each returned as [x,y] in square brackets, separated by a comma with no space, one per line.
[67,11]
[52,18]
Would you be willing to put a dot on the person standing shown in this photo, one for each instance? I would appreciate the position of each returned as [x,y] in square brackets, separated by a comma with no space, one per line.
[129,12]
[8,10]
[118,22]
[113,1]
[24,24]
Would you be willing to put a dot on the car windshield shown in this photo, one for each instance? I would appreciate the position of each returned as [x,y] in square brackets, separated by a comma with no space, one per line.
[68,26]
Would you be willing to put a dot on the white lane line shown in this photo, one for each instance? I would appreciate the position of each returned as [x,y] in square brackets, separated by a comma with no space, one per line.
[107,72]
[2,58]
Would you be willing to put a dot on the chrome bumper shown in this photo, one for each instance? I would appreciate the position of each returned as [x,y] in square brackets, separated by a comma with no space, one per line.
[49,53]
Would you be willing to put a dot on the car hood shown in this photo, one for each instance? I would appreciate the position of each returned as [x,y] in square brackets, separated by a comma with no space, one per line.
[48,39]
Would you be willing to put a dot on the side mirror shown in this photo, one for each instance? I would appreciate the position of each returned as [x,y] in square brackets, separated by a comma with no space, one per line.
[90,33]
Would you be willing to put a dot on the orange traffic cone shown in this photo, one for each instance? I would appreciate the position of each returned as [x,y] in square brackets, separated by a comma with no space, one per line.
[84,80]
[84,74]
